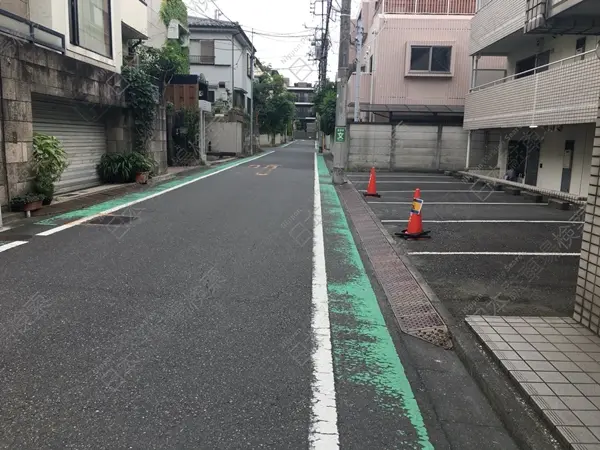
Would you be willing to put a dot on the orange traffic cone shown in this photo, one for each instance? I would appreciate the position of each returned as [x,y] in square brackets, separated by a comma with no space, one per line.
[372,188]
[414,230]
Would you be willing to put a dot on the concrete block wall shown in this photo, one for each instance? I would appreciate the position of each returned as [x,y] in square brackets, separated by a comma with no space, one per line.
[407,147]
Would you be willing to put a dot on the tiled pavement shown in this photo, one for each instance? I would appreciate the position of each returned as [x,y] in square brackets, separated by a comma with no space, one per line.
[556,363]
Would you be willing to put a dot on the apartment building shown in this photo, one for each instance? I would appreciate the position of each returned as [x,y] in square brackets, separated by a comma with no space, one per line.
[222,52]
[59,63]
[544,111]
[415,73]
[303,92]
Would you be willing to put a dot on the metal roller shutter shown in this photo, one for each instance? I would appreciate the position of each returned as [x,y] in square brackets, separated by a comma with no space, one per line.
[84,141]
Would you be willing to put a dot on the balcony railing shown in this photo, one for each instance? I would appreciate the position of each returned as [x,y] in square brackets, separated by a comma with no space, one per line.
[439,7]
[198,59]
[20,28]
[560,93]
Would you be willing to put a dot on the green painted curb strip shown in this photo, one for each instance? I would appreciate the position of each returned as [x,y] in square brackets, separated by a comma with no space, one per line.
[369,345]
[96,209]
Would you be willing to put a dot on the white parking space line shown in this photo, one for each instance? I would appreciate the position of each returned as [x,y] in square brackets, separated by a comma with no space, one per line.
[493,254]
[460,203]
[14,244]
[486,221]
[466,191]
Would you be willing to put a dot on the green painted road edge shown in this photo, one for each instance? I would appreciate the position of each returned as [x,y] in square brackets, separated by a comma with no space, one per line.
[97,209]
[371,347]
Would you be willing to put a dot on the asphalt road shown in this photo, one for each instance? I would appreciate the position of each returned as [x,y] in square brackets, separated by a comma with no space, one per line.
[489,252]
[229,309]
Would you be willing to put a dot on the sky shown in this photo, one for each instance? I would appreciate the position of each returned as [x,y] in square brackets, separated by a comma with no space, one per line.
[282,31]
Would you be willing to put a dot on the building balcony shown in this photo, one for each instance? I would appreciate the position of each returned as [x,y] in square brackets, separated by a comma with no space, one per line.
[134,19]
[202,60]
[434,7]
[496,27]
[561,93]
[575,17]
[15,26]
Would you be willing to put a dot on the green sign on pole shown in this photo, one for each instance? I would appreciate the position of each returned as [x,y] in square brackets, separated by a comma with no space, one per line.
[340,134]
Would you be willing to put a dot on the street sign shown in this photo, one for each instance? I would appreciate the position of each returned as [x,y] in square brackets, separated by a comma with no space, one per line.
[340,134]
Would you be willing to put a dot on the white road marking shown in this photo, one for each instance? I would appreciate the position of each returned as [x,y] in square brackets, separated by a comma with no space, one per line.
[466,191]
[324,433]
[494,253]
[127,205]
[2,229]
[460,203]
[486,221]
[14,244]
[412,182]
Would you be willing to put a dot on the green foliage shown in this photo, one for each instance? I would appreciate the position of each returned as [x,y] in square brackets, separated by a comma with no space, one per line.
[273,104]
[173,9]
[191,120]
[122,167]
[142,97]
[49,157]
[325,100]
[17,203]
[44,186]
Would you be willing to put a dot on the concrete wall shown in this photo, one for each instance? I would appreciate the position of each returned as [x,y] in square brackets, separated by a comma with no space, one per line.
[265,140]
[27,71]
[225,136]
[407,147]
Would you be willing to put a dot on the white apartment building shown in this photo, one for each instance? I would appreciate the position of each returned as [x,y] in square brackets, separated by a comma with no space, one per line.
[60,62]
[222,52]
[541,117]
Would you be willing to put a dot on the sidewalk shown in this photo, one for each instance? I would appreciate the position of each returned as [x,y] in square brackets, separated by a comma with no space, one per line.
[81,199]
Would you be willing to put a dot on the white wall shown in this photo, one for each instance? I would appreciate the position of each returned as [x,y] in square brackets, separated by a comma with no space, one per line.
[224,136]
[54,14]
[221,70]
[135,14]
[560,48]
[157,30]
[551,158]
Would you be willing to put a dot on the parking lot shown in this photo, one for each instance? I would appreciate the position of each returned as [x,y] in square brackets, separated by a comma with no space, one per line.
[489,252]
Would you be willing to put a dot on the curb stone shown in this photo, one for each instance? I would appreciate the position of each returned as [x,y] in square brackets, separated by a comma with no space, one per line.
[523,423]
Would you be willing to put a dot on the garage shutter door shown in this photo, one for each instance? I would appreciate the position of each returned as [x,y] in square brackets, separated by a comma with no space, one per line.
[84,141]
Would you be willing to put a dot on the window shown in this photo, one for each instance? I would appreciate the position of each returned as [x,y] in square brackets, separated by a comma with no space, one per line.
[580,47]
[371,64]
[249,65]
[207,52]
[528,65]
[90,25]
[211,96]
[435,59]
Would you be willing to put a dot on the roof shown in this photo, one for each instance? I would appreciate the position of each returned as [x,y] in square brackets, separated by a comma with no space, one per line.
[221,25]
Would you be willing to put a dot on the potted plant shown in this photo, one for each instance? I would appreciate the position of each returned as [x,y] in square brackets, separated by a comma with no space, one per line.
[142,166]
[115,168]
[27,203]
[49,162]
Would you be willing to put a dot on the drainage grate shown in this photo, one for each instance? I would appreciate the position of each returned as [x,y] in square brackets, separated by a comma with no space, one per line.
[112,220]
[413,309]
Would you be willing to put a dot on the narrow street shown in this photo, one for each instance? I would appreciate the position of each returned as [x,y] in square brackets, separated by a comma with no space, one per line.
[228,310]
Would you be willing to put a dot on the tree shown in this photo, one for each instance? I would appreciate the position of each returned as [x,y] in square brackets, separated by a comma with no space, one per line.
[325,100]
[273,104]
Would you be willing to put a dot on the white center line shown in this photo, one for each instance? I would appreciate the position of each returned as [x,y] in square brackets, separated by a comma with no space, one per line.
[486,221]
[127,205]
[14,244]
[494,253]
[461,203]
[324,433]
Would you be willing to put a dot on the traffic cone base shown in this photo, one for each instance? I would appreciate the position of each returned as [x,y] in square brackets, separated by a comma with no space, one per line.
[372,188]
[414,230]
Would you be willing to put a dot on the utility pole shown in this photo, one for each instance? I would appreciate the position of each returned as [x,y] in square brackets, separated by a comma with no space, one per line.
[252,97]
[359,38]
[340,146]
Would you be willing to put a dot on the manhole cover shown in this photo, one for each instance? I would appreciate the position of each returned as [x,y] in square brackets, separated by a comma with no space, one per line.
[112,220]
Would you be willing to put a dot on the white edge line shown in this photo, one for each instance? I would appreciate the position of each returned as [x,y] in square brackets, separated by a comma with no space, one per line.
[2,229]
[11,245]
[466,191]
[459,203]
[126,205]
[485,221]
[495,253]
[323,433]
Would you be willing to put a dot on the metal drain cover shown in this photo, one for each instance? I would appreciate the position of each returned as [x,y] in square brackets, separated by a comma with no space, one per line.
[112,220]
